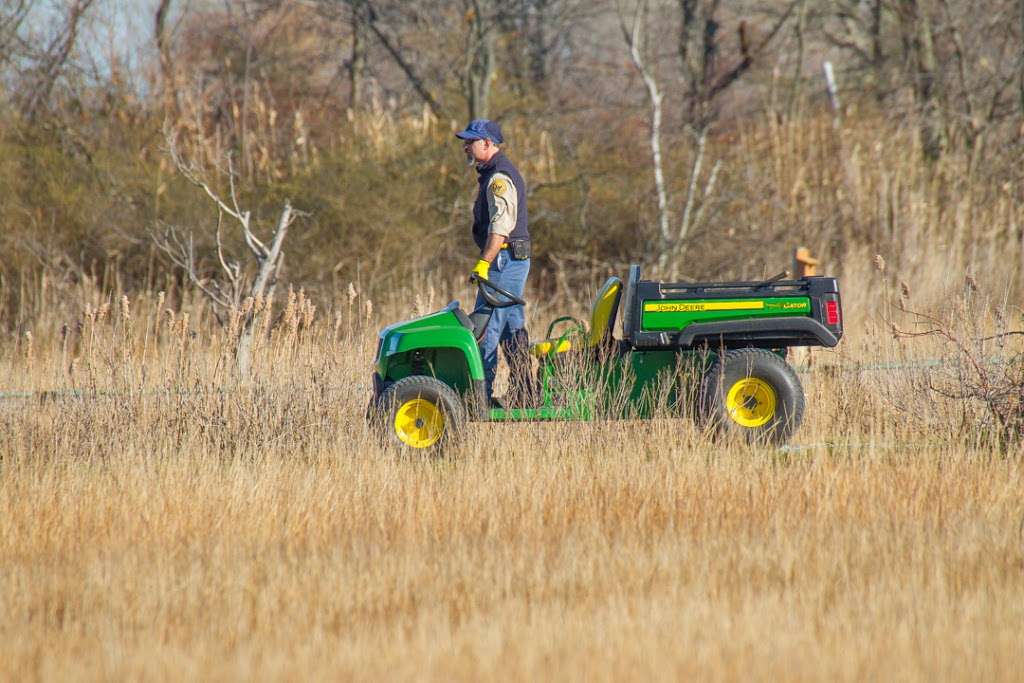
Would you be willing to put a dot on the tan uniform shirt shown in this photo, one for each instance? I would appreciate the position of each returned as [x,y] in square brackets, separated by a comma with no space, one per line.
[503,204]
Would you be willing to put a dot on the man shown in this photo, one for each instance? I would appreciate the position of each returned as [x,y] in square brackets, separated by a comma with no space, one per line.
[500,232]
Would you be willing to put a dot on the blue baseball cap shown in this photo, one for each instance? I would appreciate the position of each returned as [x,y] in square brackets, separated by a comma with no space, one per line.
[482,129]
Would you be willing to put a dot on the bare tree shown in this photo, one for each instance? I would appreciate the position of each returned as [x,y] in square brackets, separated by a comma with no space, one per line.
[537,40]
[163,48]
[537,27]
[229,290]
[703,90]
[916,25]
[958,61]
[635,37]
[856,29]
[1020,67]
[53,59]
[356,62]
[349,19]
[707,72]
[12,16]
[406,64]
[399,28]
[800,34]
[479,56]
[698,50]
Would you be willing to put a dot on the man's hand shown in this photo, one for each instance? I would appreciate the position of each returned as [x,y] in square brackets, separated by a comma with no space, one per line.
[481,269]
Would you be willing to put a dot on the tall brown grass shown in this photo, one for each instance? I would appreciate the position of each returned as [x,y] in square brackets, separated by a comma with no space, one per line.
[159,519]
[847,192]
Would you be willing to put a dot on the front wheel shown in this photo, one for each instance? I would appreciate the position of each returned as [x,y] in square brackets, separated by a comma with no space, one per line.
[420,413]
[753,393]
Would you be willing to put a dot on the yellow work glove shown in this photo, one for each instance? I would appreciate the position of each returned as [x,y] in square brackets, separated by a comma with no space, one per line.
[482,268]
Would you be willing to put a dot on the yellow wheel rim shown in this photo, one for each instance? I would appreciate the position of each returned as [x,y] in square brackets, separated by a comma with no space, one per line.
[751,402]
[418,423]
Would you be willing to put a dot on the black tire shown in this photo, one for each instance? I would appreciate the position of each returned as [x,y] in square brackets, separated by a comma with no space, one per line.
[752,393]
[420,414]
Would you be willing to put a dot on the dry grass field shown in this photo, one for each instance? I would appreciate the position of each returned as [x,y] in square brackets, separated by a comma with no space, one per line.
[168,523]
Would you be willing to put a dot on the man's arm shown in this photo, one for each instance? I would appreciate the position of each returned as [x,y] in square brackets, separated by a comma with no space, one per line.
[493,246]
[490,252]
[502,203]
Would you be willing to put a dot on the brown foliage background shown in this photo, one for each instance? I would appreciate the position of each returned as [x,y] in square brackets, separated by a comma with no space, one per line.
[311,105]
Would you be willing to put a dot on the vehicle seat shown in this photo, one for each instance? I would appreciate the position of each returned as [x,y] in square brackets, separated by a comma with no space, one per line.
[475,322]
[602,315]
[602,321]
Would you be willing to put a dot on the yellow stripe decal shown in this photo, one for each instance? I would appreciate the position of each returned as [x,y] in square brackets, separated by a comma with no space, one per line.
[680,307]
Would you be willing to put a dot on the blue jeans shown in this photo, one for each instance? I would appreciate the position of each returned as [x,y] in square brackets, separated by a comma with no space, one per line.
[507,327]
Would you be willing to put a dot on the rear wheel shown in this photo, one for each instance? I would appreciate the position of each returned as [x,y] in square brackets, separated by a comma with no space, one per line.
[420,414]
[753,393]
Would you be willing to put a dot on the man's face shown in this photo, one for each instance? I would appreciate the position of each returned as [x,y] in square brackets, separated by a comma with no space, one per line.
[478,151]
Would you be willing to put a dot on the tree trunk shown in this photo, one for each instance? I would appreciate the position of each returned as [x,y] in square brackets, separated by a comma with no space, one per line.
[407,66]
[163,48]
[877,54]
[57,56]
[263,287]
[795,91]
[926,90]
[479,59]
[356,62]
[635,40]
[537,42]
[1021,82]
[693,53]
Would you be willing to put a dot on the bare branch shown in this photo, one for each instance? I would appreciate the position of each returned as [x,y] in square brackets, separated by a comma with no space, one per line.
[232,271]
[227,296]
[709,190]
[396,54]
[749,55]
[691,191]
[183,256]
[269,265]
[57,57]
[634,37]
[255,245]
[192,174]
[163,49]
[10,21]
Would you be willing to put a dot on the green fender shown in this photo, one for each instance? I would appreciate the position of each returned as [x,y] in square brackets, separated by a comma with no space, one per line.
[437,344]
[397,344]
[459,339]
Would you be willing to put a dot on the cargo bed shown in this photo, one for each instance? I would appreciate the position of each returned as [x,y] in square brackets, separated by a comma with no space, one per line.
[768,314]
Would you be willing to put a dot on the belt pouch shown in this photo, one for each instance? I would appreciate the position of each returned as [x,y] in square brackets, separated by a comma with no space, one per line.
[520,249]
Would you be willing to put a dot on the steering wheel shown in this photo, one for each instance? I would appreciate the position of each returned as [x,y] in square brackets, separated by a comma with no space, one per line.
[483,284]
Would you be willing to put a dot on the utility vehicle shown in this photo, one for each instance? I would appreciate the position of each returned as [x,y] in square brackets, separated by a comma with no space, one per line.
[711,350]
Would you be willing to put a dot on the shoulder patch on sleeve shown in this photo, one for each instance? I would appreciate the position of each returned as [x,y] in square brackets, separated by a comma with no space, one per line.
[499,187]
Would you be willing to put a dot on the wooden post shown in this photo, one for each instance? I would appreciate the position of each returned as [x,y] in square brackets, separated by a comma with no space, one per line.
[804,265]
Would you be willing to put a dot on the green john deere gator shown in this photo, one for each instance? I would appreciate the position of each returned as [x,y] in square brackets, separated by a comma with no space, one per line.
[712,350]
